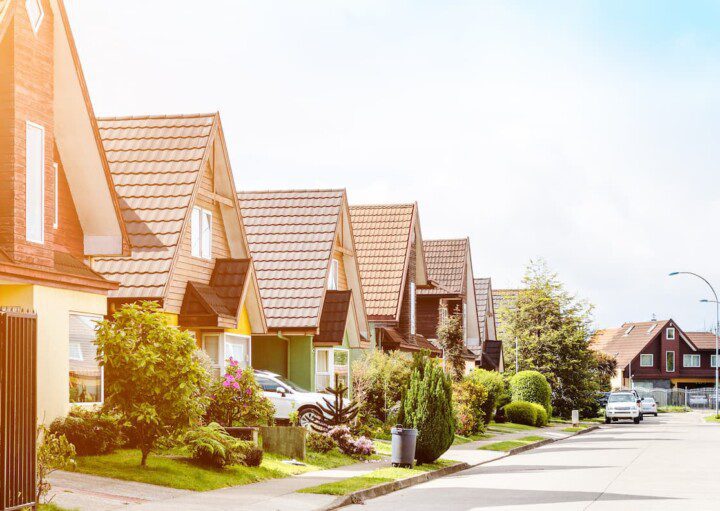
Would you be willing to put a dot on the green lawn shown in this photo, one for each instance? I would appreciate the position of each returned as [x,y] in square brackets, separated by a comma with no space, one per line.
[382,447]
[183,474]
[713,418]
[507,445]
[673,409]
[574,429]
[52,507]
[459,439]
[509,427]
[374,478]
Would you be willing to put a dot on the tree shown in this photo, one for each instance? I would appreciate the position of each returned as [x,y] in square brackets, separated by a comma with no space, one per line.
[427,406]
[337,412]
[451,338]
[152,379]
[606,366]
[553,330]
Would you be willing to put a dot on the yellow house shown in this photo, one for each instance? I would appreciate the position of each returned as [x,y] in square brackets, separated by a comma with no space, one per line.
[189,252]
[58,208]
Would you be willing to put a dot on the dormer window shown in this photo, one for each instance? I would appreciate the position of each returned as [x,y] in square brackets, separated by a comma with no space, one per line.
[332,283]
[201,233]
[35,13]
[670,334]
[630,329]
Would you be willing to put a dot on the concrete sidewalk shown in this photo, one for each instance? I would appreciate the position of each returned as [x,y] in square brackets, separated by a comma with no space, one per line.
[91,493]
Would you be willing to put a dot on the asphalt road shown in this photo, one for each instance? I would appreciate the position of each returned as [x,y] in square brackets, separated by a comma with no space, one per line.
[668,462]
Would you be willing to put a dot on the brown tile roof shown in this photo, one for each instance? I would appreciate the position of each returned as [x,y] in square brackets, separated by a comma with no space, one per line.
[382,236]
[626,342]
[447,265]
[155,164]
[291,235]
[703,340]
[334,316]
[69,265]
[482,291]
[393,340]
[492,353]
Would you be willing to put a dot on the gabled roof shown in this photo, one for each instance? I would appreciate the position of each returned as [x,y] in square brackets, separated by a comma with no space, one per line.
[482,293]
[447,263]
[382,237]
[291,234]
[156,164]
[703,340]
[492,355]
[626,342]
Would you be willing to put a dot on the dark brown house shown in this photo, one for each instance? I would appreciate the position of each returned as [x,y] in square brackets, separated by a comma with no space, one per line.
[658,354]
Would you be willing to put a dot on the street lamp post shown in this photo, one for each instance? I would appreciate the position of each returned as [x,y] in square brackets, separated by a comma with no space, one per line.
[717,327]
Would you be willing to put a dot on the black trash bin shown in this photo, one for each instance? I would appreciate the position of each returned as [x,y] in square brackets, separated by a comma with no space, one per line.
[403,446]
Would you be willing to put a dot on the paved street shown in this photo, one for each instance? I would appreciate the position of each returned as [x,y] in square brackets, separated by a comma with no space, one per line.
[669,462]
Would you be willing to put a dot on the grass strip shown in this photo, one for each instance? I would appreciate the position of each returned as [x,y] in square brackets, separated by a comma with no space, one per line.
[183,474]
[673,409]
[374,478]
[713,418]
[52,507]
[509,427]
[459,439]
[573,429]
[508,445]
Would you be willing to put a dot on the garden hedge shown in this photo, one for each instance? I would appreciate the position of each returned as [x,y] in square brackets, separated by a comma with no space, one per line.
[531,386]
[494,384]
[521,412]
[542,417]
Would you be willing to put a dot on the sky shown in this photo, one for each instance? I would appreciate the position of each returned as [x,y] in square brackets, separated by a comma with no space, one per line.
[584,133]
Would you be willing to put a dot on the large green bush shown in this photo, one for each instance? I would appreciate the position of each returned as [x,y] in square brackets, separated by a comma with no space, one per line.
[427,406]
[153,381]
[521,412]
[90,431]
[469,397]
[531,386]
[495,387]
[541,418]
[379,379]
[212,445]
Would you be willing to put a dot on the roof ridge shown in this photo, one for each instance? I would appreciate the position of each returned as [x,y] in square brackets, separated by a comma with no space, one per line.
[156,116]
[341,190]
[445,239]
[397,205]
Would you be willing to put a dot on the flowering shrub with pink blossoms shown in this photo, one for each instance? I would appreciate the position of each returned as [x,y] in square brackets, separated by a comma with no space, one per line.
[237,400]
[348,444]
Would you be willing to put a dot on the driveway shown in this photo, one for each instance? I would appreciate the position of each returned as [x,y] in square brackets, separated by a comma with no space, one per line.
[668,462]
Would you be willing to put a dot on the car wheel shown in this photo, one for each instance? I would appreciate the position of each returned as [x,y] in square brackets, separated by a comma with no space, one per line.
[305,416]
[636,420]
[655,414]
[607,420]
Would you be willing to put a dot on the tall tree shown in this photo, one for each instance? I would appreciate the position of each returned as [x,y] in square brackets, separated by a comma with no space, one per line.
[552,329]
[451,338]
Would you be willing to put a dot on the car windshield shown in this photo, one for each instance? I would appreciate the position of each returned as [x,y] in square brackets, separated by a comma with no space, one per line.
[290,384]
[621,398]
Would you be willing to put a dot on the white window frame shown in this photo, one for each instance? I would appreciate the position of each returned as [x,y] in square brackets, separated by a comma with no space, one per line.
[56,171]
[201,226]
[713,361]
[334,275]
[36,25]
[667,333]
[95,317]
[222,339]
[331,365]
[413,302]
[228,338]
[652,359]
[691,356]
[674,362]
[30,236]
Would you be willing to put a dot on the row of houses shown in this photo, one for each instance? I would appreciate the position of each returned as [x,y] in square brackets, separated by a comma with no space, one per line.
[96,213]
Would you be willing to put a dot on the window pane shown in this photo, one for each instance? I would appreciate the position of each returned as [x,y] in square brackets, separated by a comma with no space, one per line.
[646,360]
[206,234]
[670,361]
[34,184]
[713,361]
[85,372]
[341,357]
[322,361]
[195,232]
[236,348]
[210,345]
[333,277]
[322,382]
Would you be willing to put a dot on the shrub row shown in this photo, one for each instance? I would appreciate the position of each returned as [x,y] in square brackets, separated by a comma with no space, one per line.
[524,412]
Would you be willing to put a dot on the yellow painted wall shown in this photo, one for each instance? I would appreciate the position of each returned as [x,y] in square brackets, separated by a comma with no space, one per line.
[244,327]
[53,307]
[172,319]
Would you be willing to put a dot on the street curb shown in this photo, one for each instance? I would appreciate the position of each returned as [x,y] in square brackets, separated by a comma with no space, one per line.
[393,486]
[360,496]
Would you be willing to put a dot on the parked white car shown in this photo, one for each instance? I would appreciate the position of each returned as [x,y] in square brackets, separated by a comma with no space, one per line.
[698,400]
[287,396]
[649,406]
[622,405]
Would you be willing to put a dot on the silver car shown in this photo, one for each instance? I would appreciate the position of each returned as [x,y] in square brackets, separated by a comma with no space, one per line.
[649,406]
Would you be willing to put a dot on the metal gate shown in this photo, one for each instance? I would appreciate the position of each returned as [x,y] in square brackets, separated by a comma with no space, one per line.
[18,404]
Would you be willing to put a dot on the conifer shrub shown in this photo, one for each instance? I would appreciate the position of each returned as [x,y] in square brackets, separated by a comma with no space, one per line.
[521,412]
[533,387]
[427,406]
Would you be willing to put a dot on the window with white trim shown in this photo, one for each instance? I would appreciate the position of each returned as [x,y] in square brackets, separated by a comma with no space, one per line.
[201,233]
[56,195]
[713,361]
[34,182]
[211,346]
[647,360]
[670,361]
[670,334]
[86,374]
[220,347]
[412,308]
[331,365]
[237,347]
[691,360]
[332,283]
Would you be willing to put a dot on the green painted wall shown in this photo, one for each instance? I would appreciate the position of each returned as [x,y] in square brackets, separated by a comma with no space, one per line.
[270,353]
[301,361]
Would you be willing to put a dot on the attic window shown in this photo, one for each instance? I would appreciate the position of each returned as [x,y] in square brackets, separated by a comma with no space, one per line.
[35,13]
[333,276]
[627,332]
[201,233]
[670,334]
[652,327]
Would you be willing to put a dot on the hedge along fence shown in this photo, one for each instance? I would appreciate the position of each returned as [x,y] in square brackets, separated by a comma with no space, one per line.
[533,387]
